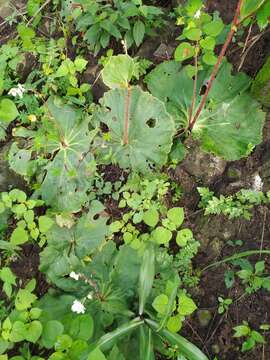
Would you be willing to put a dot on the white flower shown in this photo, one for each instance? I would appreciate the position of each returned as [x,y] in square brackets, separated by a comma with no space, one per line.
[18,91]
[78,307]
[197,14]
[257,182]
[74,275]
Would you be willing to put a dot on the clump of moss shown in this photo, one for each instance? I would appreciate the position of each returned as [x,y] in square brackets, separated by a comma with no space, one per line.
[261,84]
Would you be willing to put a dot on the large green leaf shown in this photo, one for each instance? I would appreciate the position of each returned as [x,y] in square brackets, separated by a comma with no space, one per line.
[231,129]
[69,174]
[231,123]
[67,247]
[250,6]
[140,129]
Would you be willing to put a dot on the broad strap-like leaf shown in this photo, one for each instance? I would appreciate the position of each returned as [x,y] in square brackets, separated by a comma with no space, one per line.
[69,174]
[140,129]
[147,274]
[185,347]
[146,343]
[107,341]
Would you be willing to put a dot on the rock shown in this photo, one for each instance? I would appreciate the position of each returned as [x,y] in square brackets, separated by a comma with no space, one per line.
[204,317]
[205,167]
[164,52]
[261,84]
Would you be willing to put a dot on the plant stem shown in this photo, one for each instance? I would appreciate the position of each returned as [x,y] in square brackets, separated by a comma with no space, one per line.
[126,120]
[234,26]
[194,85]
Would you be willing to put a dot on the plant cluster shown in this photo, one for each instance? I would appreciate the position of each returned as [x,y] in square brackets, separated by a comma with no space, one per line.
[120,276]
[234,206]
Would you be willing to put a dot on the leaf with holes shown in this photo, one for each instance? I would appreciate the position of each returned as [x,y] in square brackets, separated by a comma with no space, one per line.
[231,123]
[69,174]
[140,129]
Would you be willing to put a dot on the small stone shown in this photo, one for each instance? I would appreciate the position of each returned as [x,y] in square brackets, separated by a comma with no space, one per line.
[204,317]
[203,166]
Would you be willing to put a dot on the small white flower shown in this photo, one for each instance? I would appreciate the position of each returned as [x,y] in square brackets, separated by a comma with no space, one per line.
[78,307]
[74,275]
[197,14]
[257,182]
[90,296]
[18,91]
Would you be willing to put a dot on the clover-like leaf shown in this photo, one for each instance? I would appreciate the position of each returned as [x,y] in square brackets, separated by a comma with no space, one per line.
[69,174]
[140,129]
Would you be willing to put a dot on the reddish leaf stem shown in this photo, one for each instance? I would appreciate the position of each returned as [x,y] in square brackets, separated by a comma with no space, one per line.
[234,26]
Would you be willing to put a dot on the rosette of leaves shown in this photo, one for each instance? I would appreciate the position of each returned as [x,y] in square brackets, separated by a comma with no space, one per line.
[140,130]
[59,258]
[69,174]
[231,123]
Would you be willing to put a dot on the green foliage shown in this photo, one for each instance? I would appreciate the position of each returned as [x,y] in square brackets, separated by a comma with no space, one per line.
[261,85]
[222,128]
[9,279]
[200,34]
[26,225]
[238,205]
[253,278]
[112,241]
[252,337]
[129,21]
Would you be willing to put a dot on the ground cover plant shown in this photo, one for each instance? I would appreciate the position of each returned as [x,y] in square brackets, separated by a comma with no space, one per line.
[134,185]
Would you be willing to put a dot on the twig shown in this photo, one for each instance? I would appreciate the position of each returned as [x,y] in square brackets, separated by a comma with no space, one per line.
[126,120]
[247,39]
[234,27]
[263,230]
[253,42]
[37,12]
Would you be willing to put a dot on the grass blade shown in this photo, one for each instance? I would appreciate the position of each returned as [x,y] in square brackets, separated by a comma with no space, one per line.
[109,339]
[146,344]
[237,256]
